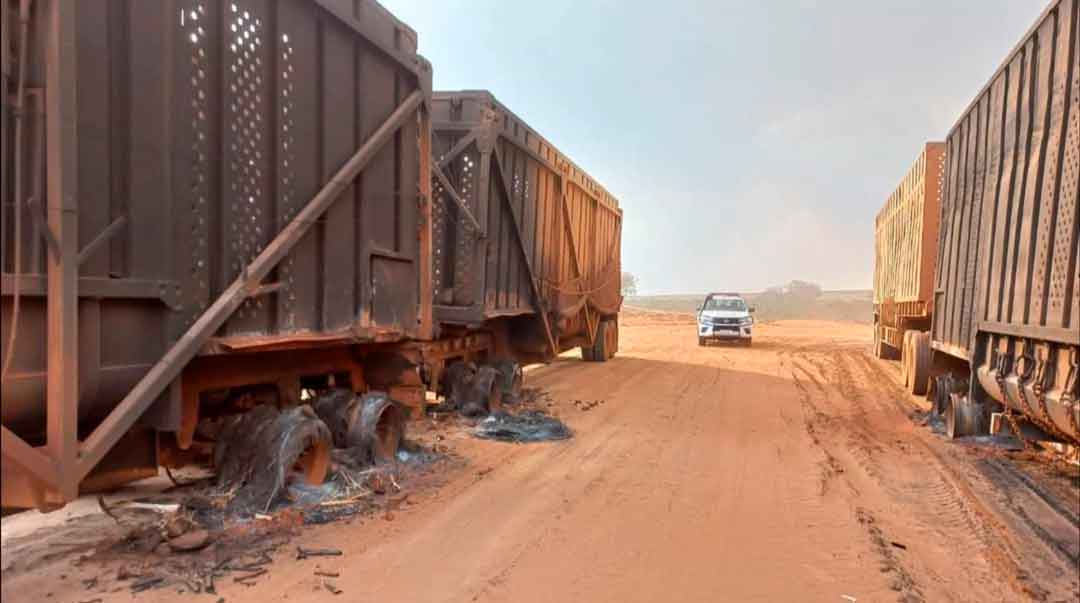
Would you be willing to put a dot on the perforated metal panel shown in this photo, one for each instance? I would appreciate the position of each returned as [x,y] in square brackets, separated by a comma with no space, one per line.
[1010,239]
[466,238]
[196,294]
[550,230]
[455,238]
[905,232]
[1063,296]
[203,127]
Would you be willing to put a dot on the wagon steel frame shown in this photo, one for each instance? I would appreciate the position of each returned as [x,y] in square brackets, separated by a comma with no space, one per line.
[1007,289]
[211,332]
[63,462]
[483,137]
[905,241]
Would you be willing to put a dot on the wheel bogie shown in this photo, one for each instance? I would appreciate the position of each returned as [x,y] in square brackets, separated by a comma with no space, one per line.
[605,344]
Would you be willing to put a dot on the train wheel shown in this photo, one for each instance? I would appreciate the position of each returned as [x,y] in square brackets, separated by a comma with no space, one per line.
[964,417]
[881,349]
[919,363]
[259,450]
[495,398]
[380,427]
[905,358]
[612,334]
[315,462]
[603,348]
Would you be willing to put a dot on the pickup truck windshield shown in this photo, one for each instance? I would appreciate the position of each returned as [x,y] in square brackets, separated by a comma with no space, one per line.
[729,304]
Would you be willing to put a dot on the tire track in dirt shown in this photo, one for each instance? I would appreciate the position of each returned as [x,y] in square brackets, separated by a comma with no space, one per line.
[941,499]
[902,581]
[945,497]
[848,412]
[1070,515]
[634,476]
[994,541]
[857,445]
[1021,496]
[868,415]
[591,459]
[828,467]
[708,475]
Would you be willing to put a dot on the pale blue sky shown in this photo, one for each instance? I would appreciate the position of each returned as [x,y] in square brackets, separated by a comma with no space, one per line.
[749,143]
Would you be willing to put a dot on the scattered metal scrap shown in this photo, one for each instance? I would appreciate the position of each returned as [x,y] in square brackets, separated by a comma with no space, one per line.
[229,526]
[368,428]
[481,391]
[587,405]
[257,452]
[303,553]
[511,378]
[247,553]
[267,461]
[250,576]
[473,391]
[528,426]
[146,583]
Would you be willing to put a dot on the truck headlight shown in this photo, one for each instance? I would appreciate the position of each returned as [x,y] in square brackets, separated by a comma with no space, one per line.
[746,322]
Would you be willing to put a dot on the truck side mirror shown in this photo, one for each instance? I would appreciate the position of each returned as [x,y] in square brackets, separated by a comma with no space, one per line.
[699,308]
[751,309]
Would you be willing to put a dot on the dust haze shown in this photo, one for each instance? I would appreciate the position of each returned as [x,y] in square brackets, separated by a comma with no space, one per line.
[750,147]
[797,300]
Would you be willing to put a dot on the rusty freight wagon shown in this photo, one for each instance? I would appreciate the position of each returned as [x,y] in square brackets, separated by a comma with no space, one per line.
[1006,324]
[525,242]
[905,244]
[200,198]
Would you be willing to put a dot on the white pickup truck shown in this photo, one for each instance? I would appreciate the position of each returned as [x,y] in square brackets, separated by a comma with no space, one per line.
[725,317]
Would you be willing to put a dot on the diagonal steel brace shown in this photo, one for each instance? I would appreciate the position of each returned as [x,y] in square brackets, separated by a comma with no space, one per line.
[449,188]
[505,188]
[169,367]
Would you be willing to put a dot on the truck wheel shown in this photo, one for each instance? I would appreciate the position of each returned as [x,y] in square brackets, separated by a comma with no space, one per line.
[919,364]
[963,417]
[879,343]
[701,341]
[613,338]
[905,358]
[603,348]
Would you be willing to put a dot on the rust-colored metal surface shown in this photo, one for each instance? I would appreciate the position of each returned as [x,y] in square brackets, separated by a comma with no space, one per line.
[906,231]
[519,231]
[1008,282]
[184,178]
[905,243]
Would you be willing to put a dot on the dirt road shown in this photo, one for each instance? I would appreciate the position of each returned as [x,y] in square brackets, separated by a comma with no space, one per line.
[789,471]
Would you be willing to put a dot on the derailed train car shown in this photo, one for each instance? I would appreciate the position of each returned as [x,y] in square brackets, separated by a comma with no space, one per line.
[523,236]
[208,207]
[198,197]
[905,250]
[1006,324]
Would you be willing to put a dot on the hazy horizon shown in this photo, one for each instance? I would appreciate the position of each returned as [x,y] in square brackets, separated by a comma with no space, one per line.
[750,144]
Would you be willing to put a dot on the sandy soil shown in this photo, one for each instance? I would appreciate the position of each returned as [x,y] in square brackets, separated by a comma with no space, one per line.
[795,470]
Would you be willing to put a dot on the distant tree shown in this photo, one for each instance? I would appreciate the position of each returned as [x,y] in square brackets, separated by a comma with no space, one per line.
[629,284]
[804,290]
